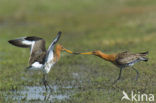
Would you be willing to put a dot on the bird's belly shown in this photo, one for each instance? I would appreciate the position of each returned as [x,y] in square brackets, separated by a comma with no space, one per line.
[36,66]
[133,62]
[130,64]
[48,66]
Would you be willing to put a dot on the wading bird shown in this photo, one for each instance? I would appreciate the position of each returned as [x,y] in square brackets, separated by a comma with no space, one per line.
[121,60]
[40,59]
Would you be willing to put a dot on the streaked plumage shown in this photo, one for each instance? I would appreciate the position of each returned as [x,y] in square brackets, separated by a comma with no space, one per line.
[121,60]
[125,59]
[40,59]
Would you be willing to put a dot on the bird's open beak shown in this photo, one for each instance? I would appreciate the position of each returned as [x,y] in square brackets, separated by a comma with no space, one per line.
[89,53]
[67,50]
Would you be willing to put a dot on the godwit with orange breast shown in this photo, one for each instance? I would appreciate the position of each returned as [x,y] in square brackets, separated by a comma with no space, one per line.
[40,59]
[121,60]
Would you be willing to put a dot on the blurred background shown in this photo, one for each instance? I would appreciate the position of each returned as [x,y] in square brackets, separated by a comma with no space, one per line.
[111,26]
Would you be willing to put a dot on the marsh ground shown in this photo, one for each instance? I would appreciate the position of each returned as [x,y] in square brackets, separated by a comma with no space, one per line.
[108,25]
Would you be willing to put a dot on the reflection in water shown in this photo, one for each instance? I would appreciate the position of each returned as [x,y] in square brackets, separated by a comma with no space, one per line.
[37,93]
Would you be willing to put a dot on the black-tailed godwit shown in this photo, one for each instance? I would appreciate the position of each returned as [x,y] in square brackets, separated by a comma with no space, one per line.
[40,58]
[121,60]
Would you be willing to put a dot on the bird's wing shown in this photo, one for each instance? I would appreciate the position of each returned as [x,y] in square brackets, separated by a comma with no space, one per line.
[126,58]
[38,52]
[21,42]
[25,42]
[37,56]
[50,54]
[36,44]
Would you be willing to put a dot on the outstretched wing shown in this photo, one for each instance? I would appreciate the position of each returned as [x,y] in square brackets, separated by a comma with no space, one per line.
[37,45]
[38,52]
[25,42]
[21,42]
[50,54]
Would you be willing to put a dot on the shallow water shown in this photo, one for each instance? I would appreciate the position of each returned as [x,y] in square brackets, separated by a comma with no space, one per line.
[37,93]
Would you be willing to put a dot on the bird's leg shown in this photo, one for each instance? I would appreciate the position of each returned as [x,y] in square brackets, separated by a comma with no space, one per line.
[47,96]
[45,82]
[49,86]
[137,73]
[119,76]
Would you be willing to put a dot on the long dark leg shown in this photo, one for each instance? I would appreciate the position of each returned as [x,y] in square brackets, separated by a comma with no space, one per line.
[49,87]
[137,73]
[47,96]
[45,82]
[118,76]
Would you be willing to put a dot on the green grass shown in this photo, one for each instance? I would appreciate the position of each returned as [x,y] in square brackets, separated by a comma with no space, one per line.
[108,25]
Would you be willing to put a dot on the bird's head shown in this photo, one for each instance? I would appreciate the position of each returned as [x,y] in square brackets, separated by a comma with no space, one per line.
[59,47]
[58,51]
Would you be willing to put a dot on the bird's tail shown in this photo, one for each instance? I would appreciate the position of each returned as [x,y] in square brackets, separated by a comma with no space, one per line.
[144,53]
[144,59]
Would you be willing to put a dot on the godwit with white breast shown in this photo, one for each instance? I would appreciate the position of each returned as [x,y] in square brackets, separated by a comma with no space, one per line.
[40,59]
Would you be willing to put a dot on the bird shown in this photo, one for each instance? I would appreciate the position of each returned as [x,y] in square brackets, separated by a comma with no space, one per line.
[121,60]
[40,58]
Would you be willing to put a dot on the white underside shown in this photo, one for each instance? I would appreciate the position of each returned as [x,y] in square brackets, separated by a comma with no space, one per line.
[49,59]
[132,63]
[26,42]
[30,43]
[36,66]
[48,66]
[45,68]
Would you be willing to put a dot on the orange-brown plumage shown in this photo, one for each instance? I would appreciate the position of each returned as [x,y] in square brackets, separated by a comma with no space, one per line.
[57,52]
[108,57]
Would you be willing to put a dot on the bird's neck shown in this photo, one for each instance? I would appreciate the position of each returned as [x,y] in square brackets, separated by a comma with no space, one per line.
[57,54]
[108,57]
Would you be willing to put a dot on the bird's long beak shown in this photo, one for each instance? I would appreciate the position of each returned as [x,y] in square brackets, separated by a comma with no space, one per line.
[87,53]
[67,50]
